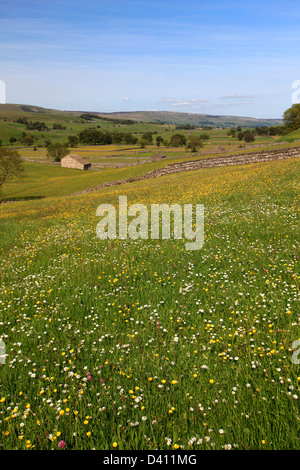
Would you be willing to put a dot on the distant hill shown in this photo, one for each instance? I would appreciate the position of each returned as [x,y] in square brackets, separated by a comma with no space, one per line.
[171,117]
[13,111]
[167,117]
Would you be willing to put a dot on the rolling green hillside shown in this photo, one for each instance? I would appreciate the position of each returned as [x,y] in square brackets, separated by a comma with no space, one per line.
[291,136]
[40,125]
[13,111]
[195,119]
[58,125]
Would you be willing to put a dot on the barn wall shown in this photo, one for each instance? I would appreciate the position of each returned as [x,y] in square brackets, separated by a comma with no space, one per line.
[70,163]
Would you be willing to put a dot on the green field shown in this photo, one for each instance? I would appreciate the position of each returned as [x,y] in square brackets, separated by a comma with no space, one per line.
[48,179]
[137,125]
[44,178]
[141,344]
[291,136]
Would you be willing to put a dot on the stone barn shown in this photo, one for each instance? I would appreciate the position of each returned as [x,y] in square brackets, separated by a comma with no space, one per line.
[75,161]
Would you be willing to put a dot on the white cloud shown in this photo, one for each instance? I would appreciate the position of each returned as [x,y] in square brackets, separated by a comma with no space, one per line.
[234,96]
[186,103]
[230,104]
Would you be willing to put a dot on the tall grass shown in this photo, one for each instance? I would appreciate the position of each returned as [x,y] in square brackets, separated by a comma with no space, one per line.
[142,343]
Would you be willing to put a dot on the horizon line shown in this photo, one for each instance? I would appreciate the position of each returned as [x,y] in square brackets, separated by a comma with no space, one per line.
[144,111]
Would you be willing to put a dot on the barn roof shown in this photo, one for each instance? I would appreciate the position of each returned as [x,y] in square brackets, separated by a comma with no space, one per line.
[77,158]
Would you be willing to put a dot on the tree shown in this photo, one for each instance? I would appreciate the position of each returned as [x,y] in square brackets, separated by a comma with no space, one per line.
[291,117]
[37,126]
[178,140]
[73,140]
[57,151]
[273,130]
[159,140]
[129,138]
[142,143]
[194,142]
[231,132]
[58,126]
[27,140]
[10,165]
[262,130]
[95,137]
[248,136]
[148,137]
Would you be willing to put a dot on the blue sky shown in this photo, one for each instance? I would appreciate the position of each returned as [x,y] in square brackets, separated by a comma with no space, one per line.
[213,57]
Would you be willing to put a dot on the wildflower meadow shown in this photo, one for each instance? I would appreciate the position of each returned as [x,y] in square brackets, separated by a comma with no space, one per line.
[142,344]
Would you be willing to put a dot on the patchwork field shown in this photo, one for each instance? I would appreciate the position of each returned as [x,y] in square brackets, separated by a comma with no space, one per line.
[44,178]
[141,344]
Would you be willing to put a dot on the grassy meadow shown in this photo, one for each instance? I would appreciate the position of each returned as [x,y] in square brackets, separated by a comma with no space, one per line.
[44,178]
[293,136]
[141,344]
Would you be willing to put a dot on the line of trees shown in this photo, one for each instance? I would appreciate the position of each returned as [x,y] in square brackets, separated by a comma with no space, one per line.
[97,137]
[249,135]
[179,140]
[93,116]
[58,126]
[39,125]
[33,125]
